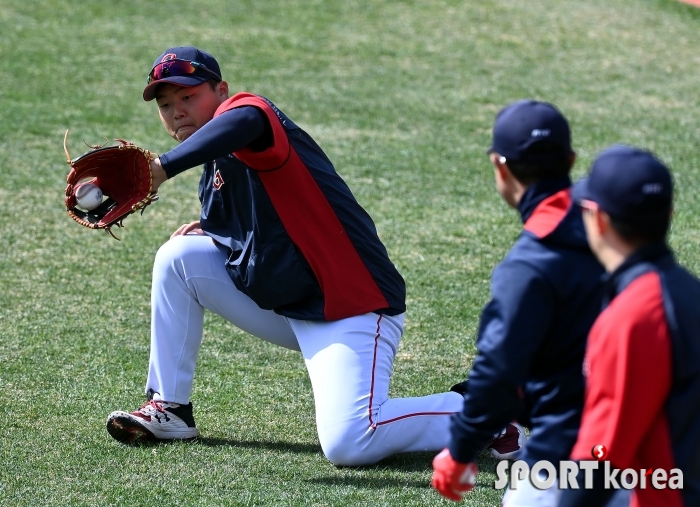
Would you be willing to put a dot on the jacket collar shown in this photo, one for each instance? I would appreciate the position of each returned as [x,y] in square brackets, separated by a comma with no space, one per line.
[645,259]
[539,191]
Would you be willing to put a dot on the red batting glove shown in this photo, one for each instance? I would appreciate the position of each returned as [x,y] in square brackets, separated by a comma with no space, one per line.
[452,479]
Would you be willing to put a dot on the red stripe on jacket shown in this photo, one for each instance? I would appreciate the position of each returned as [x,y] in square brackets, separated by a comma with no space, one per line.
[347,285]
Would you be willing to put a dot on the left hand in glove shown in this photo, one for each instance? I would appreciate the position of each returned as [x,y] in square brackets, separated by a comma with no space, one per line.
[123,177]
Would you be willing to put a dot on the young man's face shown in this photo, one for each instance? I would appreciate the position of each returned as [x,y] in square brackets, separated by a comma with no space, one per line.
[184,111]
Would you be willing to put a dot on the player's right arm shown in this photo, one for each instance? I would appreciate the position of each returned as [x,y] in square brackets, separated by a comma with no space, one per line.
[158,174]
[231,131]
[512,326]
[224,134]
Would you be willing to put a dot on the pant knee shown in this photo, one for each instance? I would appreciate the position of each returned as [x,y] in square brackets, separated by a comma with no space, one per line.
[168,253]
[344,454]
[181,256]
[348,445]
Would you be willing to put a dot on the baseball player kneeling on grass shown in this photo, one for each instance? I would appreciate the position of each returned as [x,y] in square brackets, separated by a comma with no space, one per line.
[546,294]
[284,252]
[642,409]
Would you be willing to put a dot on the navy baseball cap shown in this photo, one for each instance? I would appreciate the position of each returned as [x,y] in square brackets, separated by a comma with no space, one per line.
[521,125]
[183,66]
[629,184]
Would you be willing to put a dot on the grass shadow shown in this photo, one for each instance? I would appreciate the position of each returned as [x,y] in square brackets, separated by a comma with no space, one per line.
[293,447]
[365,482]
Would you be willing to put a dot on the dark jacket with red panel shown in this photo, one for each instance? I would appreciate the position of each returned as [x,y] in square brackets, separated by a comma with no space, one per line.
[546,294]
[643,390]
[298,241]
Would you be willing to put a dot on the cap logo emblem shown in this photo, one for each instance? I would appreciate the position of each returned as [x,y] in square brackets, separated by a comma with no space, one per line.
[540,133]
[652,188]
[168,57]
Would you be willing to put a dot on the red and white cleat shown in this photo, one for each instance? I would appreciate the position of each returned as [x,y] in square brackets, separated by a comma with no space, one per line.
[155,420]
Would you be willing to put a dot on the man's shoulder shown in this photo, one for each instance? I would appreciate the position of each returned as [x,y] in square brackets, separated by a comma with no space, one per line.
[260,101]
[530,249]
[561,265]
[526,259]
[682,279]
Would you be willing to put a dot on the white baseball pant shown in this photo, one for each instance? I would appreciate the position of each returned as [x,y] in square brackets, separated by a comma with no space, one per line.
[527,495]
[349,361]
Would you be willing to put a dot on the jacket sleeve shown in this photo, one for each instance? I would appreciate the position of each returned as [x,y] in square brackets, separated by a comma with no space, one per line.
[629,378]
[629,364]
[512,326]
[225,134]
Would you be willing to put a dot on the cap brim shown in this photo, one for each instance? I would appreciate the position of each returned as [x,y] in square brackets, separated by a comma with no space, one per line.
[149,93]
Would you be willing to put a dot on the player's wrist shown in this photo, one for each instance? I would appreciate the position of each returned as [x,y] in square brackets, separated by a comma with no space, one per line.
[158,173]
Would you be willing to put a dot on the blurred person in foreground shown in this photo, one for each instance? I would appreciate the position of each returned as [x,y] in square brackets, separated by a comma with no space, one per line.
[545,295]
[642,406]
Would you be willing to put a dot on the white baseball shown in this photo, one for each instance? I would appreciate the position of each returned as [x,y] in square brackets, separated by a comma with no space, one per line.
[88,196]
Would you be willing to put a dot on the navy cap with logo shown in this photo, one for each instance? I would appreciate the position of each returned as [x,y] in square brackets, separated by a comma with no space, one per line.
[630,184]
[523,125]
[183,66]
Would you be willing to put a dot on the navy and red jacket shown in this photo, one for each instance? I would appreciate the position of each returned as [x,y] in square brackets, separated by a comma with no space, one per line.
[545,295]
[298,241]
[643,383]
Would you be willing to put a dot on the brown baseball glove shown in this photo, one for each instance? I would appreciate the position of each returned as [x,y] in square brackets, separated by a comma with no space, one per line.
[124,182]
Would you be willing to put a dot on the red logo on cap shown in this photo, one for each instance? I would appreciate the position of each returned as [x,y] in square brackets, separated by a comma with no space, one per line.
[168,57]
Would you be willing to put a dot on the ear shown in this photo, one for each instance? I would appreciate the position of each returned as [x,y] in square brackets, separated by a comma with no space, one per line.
[602,221]
[222,89]
[501,167]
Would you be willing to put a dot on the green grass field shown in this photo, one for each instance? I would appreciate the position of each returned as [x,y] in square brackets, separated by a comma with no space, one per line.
[402,96]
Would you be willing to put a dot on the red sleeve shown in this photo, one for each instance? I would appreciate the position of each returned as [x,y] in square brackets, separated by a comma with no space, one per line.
[628,363]
[277,154]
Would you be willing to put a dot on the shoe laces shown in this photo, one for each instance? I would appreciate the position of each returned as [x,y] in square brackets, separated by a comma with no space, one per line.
[156,404]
